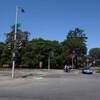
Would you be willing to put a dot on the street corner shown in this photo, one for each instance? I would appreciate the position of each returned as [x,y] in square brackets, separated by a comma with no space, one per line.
[4,80]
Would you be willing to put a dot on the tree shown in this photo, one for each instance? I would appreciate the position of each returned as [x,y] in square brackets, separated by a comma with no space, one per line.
[42,49]
[76,43]
[77,33]
[2,54]
[76,46]
[25,36]
[20,36]
[21,40]
[94,54]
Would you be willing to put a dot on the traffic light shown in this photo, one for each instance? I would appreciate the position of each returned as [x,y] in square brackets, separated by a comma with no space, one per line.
[9,46]
[18,45]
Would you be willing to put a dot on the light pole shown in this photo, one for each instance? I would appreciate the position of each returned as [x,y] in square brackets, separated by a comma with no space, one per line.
[15,38]
[14,50]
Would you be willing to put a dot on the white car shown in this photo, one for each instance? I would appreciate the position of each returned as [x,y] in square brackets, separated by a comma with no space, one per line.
[87,70]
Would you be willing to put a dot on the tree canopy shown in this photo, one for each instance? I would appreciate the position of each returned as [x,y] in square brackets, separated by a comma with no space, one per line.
[76,43]
[95,53]
[39,50]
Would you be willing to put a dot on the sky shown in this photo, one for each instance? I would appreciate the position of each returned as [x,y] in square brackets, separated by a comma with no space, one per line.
[53,19]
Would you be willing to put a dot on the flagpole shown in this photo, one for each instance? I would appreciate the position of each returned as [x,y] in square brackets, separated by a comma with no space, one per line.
[14,50]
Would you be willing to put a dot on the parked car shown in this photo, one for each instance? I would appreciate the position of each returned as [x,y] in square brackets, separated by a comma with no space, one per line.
[87,70]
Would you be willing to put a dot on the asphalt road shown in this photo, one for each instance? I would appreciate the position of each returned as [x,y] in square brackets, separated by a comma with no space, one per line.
[49,85]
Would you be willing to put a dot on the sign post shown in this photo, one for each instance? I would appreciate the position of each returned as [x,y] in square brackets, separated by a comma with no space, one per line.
[48,62]
[72,57]
[40,64]
[50,55]
[87,60]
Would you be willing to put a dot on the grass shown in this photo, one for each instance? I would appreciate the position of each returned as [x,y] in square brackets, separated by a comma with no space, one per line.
[98,71]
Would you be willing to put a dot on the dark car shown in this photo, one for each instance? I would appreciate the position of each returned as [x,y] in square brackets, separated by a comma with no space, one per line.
[87,70]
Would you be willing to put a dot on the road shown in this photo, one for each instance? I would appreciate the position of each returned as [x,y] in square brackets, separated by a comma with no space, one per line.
[50,85]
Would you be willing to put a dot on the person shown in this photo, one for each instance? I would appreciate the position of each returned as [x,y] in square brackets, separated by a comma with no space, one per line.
[66,68]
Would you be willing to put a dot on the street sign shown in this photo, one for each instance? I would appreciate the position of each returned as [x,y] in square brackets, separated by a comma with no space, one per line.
[72,55]
[18,25]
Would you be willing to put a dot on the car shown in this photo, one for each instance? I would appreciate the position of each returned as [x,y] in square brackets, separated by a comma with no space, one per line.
[87,70]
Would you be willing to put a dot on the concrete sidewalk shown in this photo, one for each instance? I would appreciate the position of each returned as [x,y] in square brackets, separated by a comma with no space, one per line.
[7,75]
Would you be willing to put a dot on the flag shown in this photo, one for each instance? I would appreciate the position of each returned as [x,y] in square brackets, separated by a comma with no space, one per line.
[22,9]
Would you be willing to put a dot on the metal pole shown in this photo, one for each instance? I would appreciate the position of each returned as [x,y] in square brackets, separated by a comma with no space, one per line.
[72,63]
[48,62]
[14,50]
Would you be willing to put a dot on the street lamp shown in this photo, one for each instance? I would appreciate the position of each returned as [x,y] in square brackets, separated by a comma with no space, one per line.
[14,49]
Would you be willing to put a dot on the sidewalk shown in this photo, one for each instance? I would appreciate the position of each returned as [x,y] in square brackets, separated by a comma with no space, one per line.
[7,75]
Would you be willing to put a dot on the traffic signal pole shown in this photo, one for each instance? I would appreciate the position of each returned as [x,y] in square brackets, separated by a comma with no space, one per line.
[14,50]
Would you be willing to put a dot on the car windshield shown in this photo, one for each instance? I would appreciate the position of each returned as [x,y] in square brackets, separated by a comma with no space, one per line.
[86,68]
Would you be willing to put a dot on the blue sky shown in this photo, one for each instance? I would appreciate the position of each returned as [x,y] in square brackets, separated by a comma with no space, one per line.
[53,19]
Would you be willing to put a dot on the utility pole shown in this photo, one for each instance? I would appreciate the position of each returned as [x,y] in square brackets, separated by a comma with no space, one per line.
[14,50]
